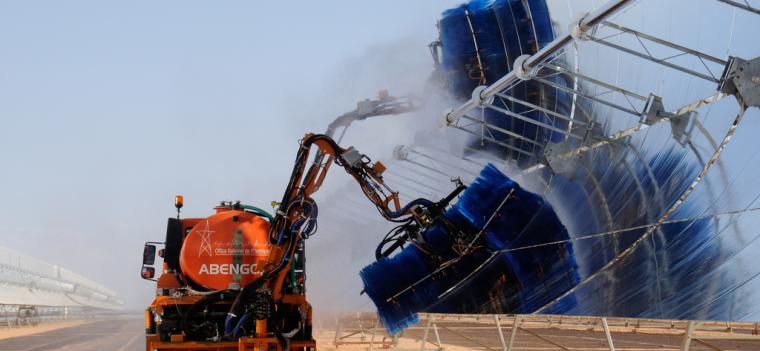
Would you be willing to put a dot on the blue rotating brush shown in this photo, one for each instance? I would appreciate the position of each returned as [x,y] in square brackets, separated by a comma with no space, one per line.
[459,268]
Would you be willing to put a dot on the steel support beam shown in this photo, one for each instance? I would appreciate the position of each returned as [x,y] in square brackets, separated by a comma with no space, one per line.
[533,121]
[513,334]
[412,180]
[628,132]
[437,337]
[447,153]
[501,333]
[742,5]
[587,96]
[438,160]
[407,168]
[560,69]
[508,133]
[541,109]
[687,336]
[607,334]
[497,142]
[645,53]
[426,332]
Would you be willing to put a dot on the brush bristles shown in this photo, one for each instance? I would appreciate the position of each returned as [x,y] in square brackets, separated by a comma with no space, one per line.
[505,216]
[390,275]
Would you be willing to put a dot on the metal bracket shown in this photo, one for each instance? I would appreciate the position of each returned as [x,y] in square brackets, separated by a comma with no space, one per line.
[741,78]
[576,28]
[589,131]
[560,165]
[521,71]
[400,152]
[682,126]
[742,5]
[477,96]
[654,111]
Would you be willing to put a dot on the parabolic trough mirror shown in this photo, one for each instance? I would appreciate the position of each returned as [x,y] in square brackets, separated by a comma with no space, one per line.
[634,121]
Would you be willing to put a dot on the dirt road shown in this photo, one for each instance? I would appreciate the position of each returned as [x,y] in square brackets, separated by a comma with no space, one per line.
[112,335]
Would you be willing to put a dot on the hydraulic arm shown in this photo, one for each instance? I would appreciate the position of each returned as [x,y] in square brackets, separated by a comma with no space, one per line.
[236,280]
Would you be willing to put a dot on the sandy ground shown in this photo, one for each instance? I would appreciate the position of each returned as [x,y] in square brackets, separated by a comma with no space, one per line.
[325,340]
[12,332]
[129,335]
[104,335]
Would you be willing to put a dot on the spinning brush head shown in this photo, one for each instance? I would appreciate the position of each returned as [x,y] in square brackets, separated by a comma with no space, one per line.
[385,279]
[484,196]
[493,214]
[388,276]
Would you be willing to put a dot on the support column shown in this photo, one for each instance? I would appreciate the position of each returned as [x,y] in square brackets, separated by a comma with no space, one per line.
[687,336]
[425,333]
[515,325]
[607,333]
[501,334]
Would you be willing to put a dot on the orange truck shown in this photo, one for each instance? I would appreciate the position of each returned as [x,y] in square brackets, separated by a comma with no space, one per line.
[235,280]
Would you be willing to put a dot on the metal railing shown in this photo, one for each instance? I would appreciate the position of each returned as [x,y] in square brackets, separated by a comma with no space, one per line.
[25,280]
[549,332]
[13,316]
[362,329]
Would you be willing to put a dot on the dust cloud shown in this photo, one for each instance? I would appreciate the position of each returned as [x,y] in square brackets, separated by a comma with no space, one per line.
[349,226]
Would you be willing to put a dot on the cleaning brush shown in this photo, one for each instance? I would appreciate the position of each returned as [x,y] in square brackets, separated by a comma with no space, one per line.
[473,275]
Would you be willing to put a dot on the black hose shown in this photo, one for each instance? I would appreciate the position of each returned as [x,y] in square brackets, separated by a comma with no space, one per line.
[236,310]
[201,304]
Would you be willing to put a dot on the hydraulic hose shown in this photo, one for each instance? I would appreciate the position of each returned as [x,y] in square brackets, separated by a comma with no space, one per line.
[239,325]
[258,211]
[295,217]
[237,306]
[210,299]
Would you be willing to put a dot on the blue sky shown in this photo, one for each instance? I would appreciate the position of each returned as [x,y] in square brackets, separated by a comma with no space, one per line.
[109,109]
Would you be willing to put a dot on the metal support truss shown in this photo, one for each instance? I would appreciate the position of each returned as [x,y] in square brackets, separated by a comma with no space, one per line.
[409,189]
[744,5]
[463,159]
[526,119]
[638,105]
[512,135]
[528,63]
[644,52]
[411,180]
[486,138]
[439,161]
[648,108]
[535,332]
[740,78]
[352,331]
[561,154]
[412,156]
[541,109]
[414,169]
